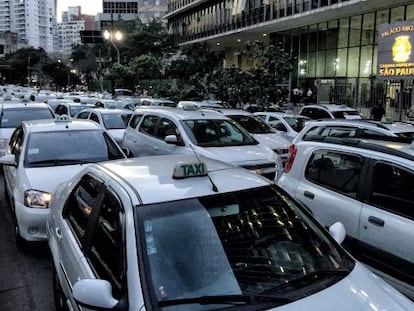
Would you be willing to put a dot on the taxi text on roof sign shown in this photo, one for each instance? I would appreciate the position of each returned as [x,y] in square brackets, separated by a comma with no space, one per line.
[395,51]
[189,169]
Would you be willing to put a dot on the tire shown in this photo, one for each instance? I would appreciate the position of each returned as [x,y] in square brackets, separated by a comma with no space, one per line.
[20,242]
[58,295]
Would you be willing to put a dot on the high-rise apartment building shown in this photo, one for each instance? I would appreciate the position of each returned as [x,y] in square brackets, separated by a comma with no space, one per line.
[67,32]
[32,20]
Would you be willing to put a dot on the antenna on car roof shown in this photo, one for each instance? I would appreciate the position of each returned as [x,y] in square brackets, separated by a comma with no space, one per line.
[214,187]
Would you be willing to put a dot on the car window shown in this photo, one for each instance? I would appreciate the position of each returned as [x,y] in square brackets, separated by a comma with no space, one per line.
[338,171]
[339,131]
[80,204]
[252,124]
[83,115]
[322,114]
[217,133]
[166,127]
[392,189]
[113,121]
[94,117]
[16,143]
[10,118]
[135,120]
[105,244]
[61,110]
[297,124]
[149,124]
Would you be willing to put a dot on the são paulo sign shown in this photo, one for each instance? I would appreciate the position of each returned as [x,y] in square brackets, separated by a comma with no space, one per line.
[396,51]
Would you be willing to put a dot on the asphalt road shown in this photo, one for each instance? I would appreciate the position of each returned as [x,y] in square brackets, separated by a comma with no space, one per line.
[25,274]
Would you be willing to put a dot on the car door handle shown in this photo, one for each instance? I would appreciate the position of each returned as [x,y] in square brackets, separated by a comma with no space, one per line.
[58,233]
[309,195]
[376,221]
[156,148]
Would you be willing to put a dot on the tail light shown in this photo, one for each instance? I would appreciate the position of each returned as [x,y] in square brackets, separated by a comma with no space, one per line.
[292,154]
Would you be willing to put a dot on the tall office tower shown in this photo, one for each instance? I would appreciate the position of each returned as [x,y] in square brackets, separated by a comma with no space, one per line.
[130,10]
[32,20]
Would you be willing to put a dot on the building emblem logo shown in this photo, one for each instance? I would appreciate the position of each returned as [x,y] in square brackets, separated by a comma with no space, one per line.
[401,49]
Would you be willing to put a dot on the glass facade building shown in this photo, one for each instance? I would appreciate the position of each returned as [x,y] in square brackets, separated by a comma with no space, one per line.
[334,42]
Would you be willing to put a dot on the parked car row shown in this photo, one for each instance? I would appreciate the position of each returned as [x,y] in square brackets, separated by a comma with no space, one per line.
[205,224]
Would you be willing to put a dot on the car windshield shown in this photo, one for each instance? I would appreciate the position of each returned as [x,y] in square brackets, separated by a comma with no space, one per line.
[69,147]
[253,125]
[249,243]
[217,133]
[296,123]
[115,121]
[11,118]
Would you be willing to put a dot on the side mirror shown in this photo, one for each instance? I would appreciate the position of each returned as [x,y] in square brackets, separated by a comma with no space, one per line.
[171,139]
[94,294]
[337,231]
[8,159]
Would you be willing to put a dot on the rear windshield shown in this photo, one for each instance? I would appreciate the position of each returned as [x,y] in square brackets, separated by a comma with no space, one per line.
[11,118]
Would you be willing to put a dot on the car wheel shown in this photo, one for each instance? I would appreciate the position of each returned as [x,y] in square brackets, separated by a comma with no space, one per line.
[59,296]
[20,242]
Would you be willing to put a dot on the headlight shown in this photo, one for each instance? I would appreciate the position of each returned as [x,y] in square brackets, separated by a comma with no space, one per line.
[36,198]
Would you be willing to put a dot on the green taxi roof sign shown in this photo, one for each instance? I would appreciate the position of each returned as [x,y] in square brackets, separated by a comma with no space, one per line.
[189,169]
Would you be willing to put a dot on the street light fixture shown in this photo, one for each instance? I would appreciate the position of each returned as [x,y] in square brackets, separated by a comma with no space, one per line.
[114,36]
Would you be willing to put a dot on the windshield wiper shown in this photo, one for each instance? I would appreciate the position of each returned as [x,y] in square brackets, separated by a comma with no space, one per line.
[61,161]
[309,278]
[226,299]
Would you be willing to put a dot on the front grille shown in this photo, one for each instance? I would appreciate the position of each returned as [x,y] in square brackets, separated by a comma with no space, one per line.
[259,166]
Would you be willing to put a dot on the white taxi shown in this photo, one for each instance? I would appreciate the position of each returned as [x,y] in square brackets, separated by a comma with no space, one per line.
[40,155]
[190,233]
[189,130]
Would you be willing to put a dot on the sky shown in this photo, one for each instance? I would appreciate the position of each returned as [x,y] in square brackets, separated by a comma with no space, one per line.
[90,7]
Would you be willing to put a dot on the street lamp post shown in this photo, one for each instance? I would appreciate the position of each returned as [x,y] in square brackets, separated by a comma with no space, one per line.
[114,36]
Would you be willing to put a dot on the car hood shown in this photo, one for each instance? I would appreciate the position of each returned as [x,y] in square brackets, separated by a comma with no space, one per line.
[361,290]
[238,155]
[272,140]
[116,134]
[48,178]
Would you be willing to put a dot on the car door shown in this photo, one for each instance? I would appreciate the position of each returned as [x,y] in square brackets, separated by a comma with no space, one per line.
[11,172]
[387,218]
[71,230]
[104,246]
[167,127]
[329,187]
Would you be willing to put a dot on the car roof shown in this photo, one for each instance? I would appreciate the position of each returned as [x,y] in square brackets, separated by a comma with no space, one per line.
[23,105]
[401,149]
[281,114]
[232,112]
[399,127]
[56,125]
[331,107]
[182,114]
[153,180]
[107,110]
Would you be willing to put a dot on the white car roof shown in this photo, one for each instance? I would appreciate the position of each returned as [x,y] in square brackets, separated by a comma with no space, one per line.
[232,112]
[152,177]
[332,107]
[73,124]
[15,104]
[107,111]
[182,114]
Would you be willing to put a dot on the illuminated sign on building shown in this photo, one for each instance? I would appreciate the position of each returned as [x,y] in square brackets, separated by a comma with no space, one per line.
[396,51]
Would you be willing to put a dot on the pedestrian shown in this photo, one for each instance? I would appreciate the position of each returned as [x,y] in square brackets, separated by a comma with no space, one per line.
[377,112]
